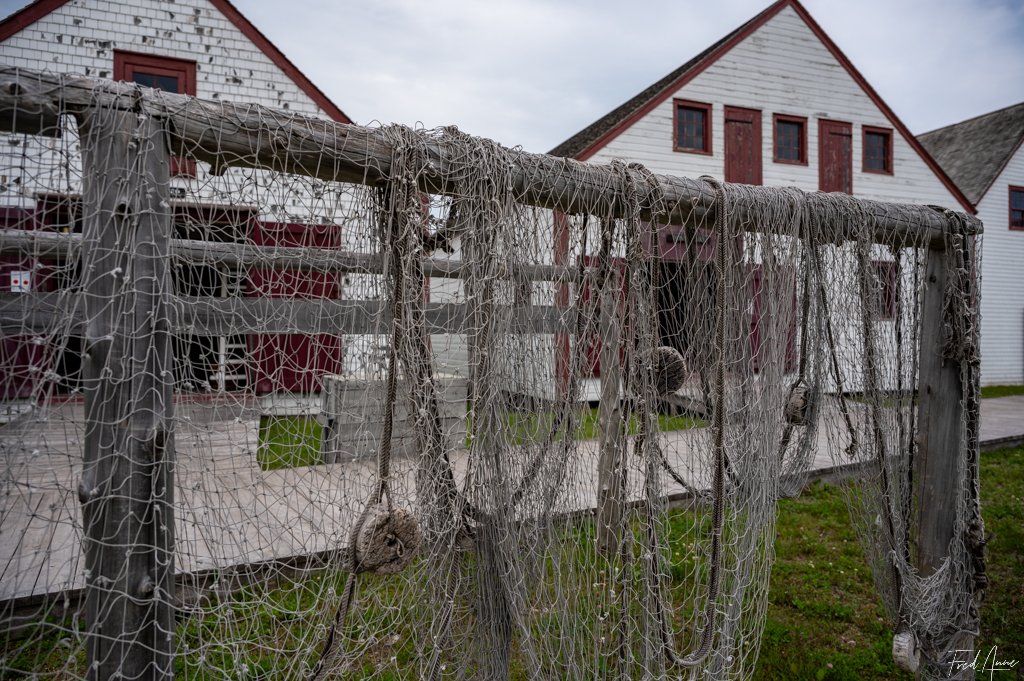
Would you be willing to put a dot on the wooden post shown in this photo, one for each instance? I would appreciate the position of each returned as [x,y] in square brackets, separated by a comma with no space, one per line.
[127,481]
[939,436]
[611,471]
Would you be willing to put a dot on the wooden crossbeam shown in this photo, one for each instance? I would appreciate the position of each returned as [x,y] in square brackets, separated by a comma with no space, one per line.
[225,134]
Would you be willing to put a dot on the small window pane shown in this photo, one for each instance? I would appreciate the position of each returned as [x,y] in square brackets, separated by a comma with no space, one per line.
[691,122]
[876,151]
[1017,199]
[788,141]
[1017,208]
[165,83]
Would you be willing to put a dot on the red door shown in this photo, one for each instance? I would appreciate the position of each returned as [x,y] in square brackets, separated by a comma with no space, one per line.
[761,326]
[742,145]
[25,360]
[294,362]
[617,276]
[835,156]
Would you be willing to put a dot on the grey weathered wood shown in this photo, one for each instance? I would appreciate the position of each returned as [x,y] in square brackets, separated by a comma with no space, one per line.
[249,256]
[939,438]
[126,488]
[611,470]
[249,135]
[22,313]
[36,111]
[352,414]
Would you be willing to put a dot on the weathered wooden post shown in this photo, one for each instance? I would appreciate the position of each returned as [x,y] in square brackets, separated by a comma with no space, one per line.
[611,466]
[939,438]
[127,483]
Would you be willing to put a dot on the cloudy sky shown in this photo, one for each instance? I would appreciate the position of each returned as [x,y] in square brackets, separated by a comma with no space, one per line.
[533,72]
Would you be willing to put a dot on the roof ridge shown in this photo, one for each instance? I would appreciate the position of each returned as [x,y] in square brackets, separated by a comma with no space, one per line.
[577,144]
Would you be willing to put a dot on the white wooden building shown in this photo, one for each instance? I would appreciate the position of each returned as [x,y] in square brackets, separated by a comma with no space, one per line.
[775,102]
[985,157]
[205,48]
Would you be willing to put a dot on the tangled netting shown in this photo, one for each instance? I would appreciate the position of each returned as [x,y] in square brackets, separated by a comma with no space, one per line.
[431,427]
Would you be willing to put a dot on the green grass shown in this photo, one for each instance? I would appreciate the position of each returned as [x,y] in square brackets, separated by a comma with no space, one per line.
[1001,390]
[288,442]
[824,619]
[293,441]
[526,427]
[1002,507]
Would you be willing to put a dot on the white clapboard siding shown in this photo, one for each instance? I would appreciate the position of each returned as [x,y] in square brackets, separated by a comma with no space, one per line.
[1002,283]
[81,37]
[784,68]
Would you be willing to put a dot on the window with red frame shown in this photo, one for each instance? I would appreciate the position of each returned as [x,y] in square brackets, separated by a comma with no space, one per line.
[790,134]
[692,127]
[883,306]
[877,150]
[1017,208]
[162,73]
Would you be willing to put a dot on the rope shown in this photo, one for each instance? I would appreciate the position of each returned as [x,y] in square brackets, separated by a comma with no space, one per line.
[698,655]
[364,551]
[871,388]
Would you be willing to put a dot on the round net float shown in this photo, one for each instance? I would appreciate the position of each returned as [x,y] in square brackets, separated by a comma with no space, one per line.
[387,541]
[796,405]
[670,370]
[905,652]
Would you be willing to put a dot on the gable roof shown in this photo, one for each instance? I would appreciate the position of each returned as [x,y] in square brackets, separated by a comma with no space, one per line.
[38,9]
[975,151]
[588,141]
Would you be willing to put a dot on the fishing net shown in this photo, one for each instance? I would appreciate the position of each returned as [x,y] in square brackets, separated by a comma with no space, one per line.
[340,402]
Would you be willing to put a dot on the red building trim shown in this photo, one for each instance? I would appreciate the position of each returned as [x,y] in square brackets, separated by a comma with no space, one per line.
[268,48]
[884,309]
[679,82]
[726,46]
[1009,201]
[126,63]
[561,257]
[802,120]
[32,13]
[678,104]
[886,111]
[871,129]
[28,15]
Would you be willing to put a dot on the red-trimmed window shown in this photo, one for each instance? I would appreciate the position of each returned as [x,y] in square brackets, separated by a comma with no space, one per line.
[877,150]
[790,135]
[162,73]
[1017,208]
[883,307]
[692,128]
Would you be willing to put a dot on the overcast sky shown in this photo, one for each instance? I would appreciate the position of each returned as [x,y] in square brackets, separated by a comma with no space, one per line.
[534,72]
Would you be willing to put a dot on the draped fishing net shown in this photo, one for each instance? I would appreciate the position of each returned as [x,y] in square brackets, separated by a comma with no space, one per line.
[478,413]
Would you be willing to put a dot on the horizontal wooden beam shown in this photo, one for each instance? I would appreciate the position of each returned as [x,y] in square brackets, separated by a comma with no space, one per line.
[248,135]
[249,256]
[62,312]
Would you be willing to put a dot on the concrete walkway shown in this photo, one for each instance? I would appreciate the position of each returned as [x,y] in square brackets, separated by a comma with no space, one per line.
[230,513]
[1002,422]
